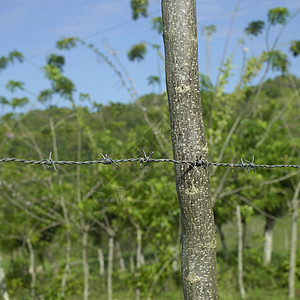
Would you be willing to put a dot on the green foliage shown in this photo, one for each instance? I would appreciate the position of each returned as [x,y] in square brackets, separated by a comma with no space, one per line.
[205,83]
[59,83]
[278,60]
[253,66]
[137,52]
[157,24]
[255,28]
[45,96]
[152,80]
[12,85]
[295,48]
[278,15]
[67,43]
[56,60]
[19,102]
[209,30]
[3,100]
[11,58]
[139,7]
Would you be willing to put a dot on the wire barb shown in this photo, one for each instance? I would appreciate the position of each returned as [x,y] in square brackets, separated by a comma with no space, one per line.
[108,160]
[145,160]
[50,161]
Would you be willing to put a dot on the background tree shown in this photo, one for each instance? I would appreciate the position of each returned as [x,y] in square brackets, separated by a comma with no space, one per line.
[208,31]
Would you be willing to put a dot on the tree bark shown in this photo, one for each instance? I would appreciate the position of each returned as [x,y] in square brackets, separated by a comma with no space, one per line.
[189,141]
[295,214]
[68,248]
[101,261]
[139,259]
[3,291]
[268,233]
[85,263]
[223,242]
[120,257]
[240,251]
[31,267]
[110,266]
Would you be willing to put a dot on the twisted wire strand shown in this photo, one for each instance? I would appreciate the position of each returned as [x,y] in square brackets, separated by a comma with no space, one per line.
[145,160]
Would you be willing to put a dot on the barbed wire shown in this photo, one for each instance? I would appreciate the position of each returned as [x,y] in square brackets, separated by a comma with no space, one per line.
[146,159]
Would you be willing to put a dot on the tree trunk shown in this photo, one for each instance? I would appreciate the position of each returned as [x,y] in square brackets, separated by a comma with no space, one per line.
[240,251]
[68,248]
[295,207]
[223,242]
[110,266]
[131,262]
[120,257]
[85,264]
[189,141]
[3,292]
[31,267]
[139,258]
[101,261]
[268,233]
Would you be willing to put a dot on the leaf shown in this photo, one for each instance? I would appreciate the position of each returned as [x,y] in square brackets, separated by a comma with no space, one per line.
[56,60]
[18,102]
[45,96]
[295,48]
[66,43]
[16,55]
[209,30]
[278,60]
[278,15]
[3,62]
[3,100]
[84,97]
[139,7]
[12,85]
[157,24]
[152,80]
[137,52]
[255,28]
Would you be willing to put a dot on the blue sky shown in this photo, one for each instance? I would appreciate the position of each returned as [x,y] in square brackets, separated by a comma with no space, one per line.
[34,26]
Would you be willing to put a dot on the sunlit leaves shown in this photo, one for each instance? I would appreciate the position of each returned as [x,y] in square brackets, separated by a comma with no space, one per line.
[84,97]
[139,7]
[59,83]
[45,96]
[157,24]
[137,52]
[11,58]
[12,86]
[255,28]
[18,102]
[56,60]
[295,48]
[15,55]
[253,66]
[278,60]
[278,15]
[66,43]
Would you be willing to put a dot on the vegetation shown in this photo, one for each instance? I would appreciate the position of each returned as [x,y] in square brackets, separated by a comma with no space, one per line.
[113,231]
